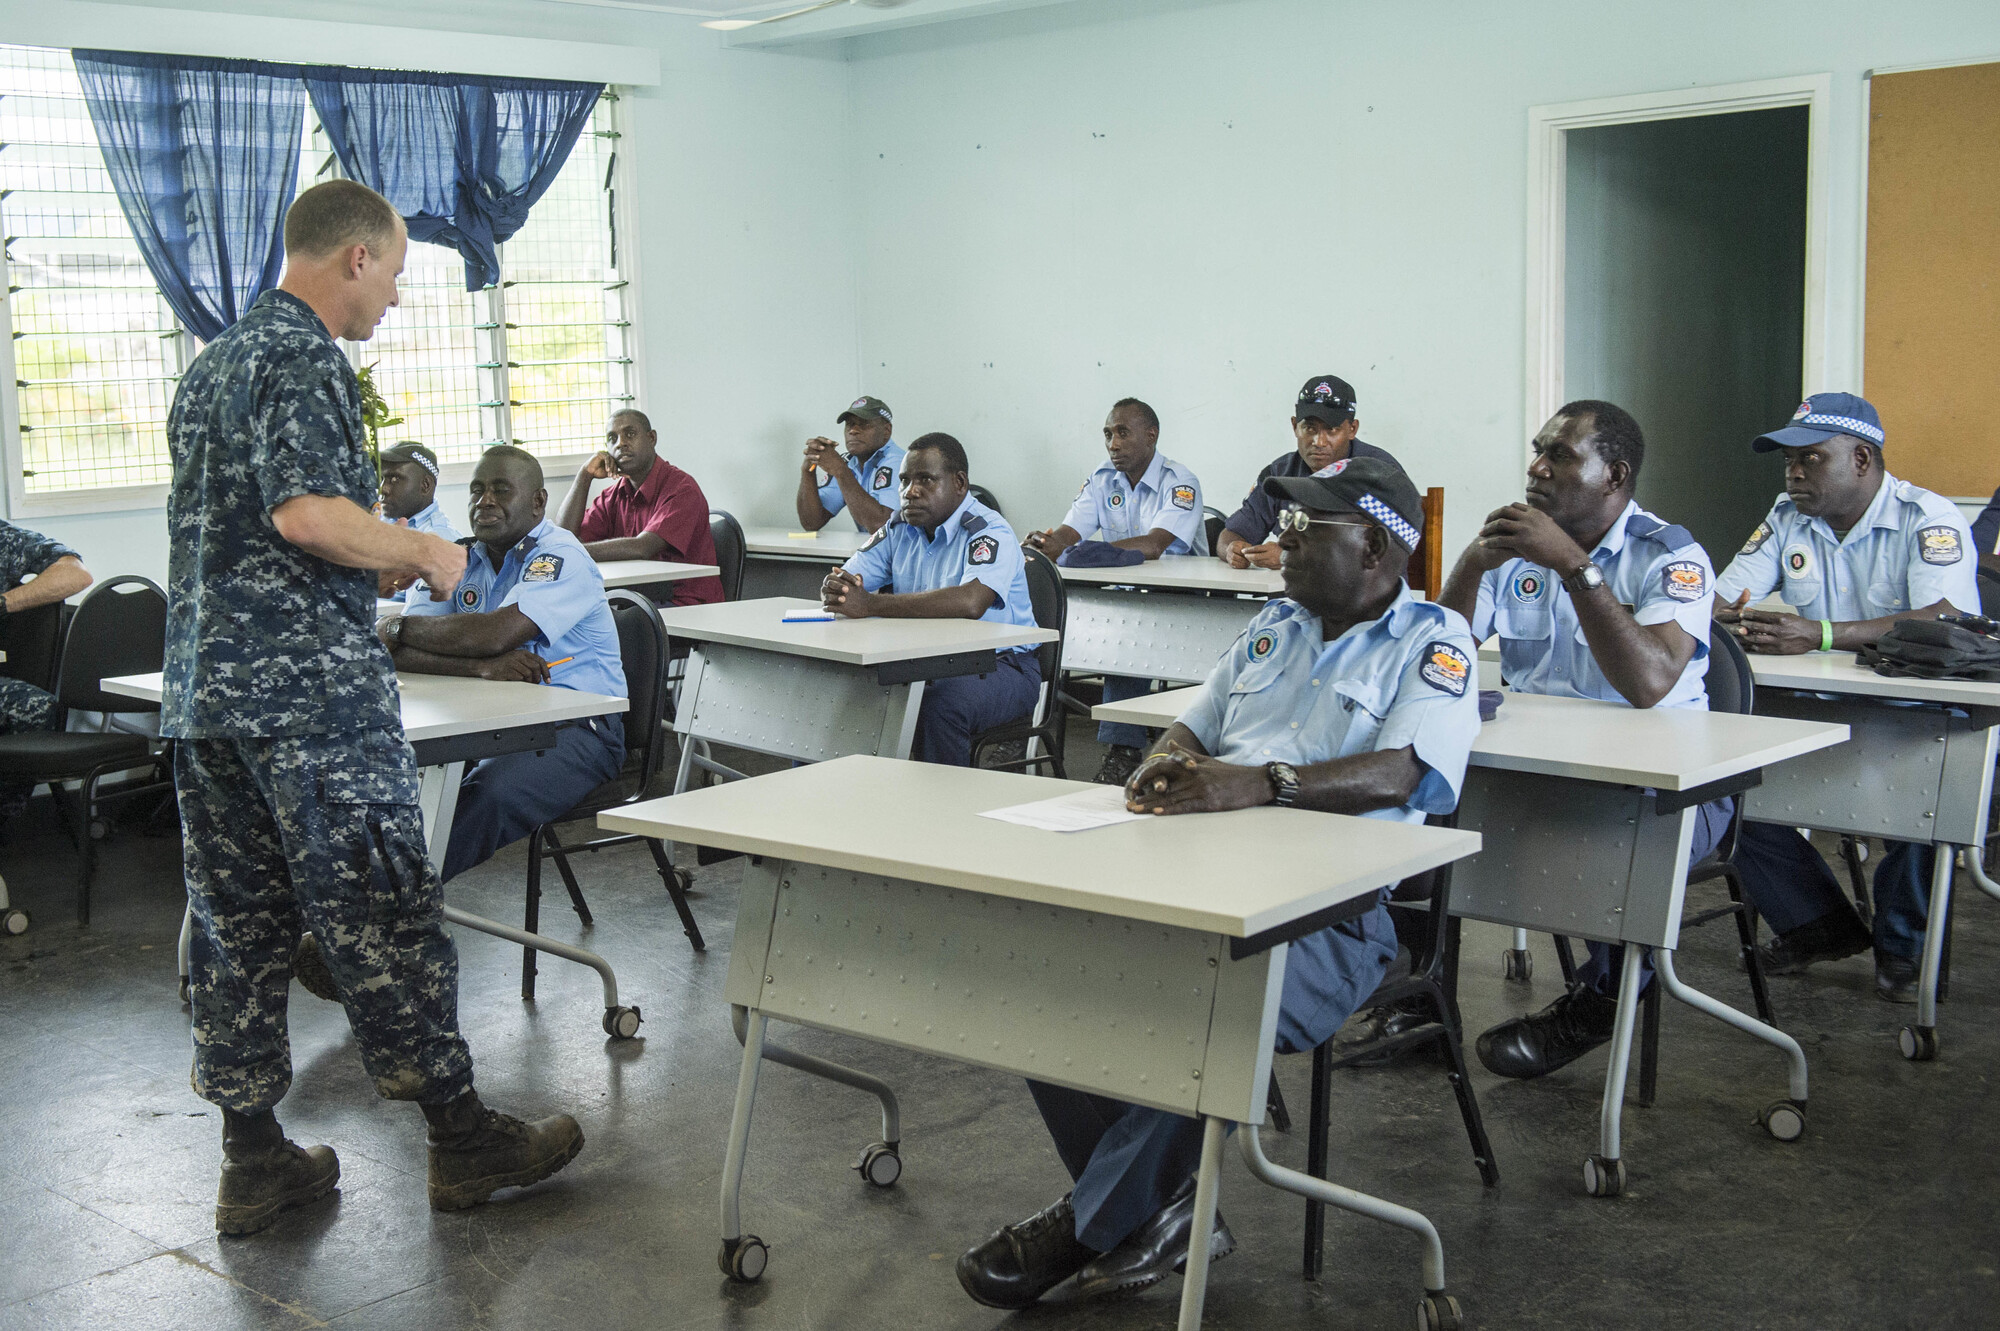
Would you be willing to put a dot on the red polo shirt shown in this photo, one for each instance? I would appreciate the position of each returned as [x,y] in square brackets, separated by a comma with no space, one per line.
[671,506]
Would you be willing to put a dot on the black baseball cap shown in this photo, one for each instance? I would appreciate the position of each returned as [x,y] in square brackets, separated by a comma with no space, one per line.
[1376,487]
[410,451]
[1326,398]
[866,409]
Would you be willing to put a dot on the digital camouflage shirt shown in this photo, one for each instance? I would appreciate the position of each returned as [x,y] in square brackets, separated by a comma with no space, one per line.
[264,639]
[24,553]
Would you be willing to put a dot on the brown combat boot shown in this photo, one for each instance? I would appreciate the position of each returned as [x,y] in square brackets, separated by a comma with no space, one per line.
[475,1152]
[263,1174]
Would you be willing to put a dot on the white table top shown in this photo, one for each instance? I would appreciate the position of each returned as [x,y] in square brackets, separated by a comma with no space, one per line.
[639,572]
[1193,573]
[1665,748]
[833,542]
[863,642]
[1187,871]
[440,706]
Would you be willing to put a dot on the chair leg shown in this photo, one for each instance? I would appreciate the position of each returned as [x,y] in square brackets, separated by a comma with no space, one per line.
[1746,933]
[1274,1102]
[1322,1093]
[532,915]
[86,848]
[1850,854]
[1649,1043]
[561,855]
[1566,958]
[671,878]
[1461,1086]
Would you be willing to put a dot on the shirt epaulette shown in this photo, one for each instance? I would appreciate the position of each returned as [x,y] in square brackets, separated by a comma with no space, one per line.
[1671,535]
[973,524]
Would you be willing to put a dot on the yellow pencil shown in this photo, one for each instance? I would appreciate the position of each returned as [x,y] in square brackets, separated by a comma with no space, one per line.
[564,661]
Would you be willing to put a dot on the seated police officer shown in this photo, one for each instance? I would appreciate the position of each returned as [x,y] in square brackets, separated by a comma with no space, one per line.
[34,571]
[408,491]
[1138,500]
[864,481]
[950,557]
[1593,597]
[1852,550]
[1324,427]
[1350,695]
[531,608]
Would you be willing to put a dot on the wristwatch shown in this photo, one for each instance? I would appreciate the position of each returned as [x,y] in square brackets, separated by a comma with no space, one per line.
[393,631]
[1284,782]
[1588,578]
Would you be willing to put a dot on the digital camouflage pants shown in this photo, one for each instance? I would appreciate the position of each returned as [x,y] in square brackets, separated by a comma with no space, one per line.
[319,834]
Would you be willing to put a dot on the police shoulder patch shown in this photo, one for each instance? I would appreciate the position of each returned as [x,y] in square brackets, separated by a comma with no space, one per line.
[1184,496]
[1683,580]
[880,534]
[883,476]
[1757,539]
[543,568]
[1940,545]
[983,550]
[1445,668]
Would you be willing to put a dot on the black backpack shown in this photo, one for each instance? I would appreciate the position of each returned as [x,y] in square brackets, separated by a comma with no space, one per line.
[1935,649]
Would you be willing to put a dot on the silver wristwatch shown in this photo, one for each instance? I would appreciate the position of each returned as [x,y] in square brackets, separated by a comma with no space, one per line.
[1284,783]
[1587,578]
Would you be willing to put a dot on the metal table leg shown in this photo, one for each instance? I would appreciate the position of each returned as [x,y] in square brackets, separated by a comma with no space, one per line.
[1207,1182]
[742,1256]
[1919,1042]
[1604,1173]
[892,1116]
[1977,871]
[1786,1119]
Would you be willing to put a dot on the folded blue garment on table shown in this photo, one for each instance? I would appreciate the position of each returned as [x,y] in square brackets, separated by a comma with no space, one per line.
[1099,554]
[1489,704]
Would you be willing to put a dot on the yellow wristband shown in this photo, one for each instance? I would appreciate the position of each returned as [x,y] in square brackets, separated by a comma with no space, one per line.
[1826,635]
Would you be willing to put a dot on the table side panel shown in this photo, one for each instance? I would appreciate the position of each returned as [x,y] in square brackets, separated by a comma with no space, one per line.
[1967,791]
[750,948]
[1103,1004]
[784,575]
[1236,1079]
[788,706]
[1886,781]
[1152,635]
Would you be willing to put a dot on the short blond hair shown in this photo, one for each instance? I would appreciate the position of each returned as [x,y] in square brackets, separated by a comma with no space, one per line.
[335,214]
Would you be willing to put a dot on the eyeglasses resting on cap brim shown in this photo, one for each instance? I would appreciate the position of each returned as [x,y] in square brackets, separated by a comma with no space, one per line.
[1297,519]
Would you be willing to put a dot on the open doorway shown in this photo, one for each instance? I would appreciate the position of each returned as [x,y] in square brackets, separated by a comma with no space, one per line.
[1678,278]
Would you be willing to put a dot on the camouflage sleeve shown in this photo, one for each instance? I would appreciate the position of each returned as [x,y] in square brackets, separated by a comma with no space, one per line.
[307,426]
[24,552]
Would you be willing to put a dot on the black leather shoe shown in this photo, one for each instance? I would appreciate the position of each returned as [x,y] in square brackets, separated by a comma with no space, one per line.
[1385,1024]
[1895,978]
[1120,761]
[1558,1035]
[1153,1249]
[1829,938]
[1020,1263]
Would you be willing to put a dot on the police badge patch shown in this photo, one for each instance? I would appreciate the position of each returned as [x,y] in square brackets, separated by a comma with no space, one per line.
[1683,580]
[1529,585]
[1262,644]
[883,476]
[1184,496]
[1797,561]
[1940,545]
[1757,539]
[1445,668]
[542,568]
[1115,499]
[468,597]
[983,550]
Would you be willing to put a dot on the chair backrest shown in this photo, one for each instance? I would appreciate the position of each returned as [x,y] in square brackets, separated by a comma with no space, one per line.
[642,650]
[1989,594]
[32,640]
[729,551]
[985,496]
[119,628]
[1212,522]
[1050,598]
[1731,686]
[1426,571]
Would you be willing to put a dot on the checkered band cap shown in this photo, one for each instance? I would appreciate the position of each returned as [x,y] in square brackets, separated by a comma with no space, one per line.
[1853,425]
[1389,518]
[1822,417]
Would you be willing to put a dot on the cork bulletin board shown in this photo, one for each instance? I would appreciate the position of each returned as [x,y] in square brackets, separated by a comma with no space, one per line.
[1932,335]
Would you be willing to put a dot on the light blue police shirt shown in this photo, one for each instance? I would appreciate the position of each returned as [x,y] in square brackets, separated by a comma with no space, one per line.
[1284,694]
[1167,497]
[556,583]
[880,474]
[974,544]
[1657,570]
[430,519]
[1910,549]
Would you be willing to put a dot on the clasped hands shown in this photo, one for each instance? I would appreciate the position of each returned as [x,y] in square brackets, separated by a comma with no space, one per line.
[842,594]
[1768,632]
[1177,781]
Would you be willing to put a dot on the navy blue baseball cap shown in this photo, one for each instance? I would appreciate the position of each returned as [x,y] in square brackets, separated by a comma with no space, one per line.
[1325,397]
[1822,417]
[1374,486]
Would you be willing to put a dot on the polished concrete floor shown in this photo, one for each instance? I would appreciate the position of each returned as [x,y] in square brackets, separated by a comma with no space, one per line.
[1884,1216]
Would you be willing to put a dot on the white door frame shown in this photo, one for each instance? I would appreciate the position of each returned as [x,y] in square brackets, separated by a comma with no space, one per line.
[1548,127]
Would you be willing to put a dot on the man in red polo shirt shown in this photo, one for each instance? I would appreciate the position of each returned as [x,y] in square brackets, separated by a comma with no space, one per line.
[653,510]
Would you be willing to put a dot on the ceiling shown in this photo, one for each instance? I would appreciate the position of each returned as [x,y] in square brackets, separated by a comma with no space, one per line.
[849,20]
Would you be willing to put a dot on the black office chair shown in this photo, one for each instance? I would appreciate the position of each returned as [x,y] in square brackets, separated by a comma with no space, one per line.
[119,628]
[729,551]
[985,496]
[1407,983]
[1049,721]
[1989,593]
[1213,520]
[642,646]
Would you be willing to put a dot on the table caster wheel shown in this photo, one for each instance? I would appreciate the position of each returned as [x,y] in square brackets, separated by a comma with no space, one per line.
[14,923]
[187,992]
[1603,1178]
[880,1165]
[1785,1120]
[1439,1312]
[621,1023]
[1517,965]
[1918,1043]
[743,1260]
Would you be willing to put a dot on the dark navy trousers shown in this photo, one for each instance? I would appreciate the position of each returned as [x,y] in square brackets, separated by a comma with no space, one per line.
[1128,1160]
[1117,688]
[1600,972]
[504,799]
[1791,885]
[956,709]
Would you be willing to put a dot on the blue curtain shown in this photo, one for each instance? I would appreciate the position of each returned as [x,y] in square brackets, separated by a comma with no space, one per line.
[204,157]
[461,156]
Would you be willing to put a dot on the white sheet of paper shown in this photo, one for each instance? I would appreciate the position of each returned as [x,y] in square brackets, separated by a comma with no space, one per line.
[1078,812]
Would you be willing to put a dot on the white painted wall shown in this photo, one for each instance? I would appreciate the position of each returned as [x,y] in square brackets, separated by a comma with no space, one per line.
[1203,204]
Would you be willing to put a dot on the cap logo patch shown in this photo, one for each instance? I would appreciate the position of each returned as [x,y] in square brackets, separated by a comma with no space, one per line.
[983,550]
[857,404]
[1757,539]
[883,476]
[468,597]
[542,568]
[1798,562]
[1263,644]
[1940,545]
[1184,497]
[1446,668]
[1115,499]
[1321,392]
[1683,580]
[1529,586]
[1332,469]
[1805,409]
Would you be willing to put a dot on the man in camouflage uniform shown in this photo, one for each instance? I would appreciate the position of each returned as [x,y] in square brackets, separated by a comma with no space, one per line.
[56,575]
[298,792]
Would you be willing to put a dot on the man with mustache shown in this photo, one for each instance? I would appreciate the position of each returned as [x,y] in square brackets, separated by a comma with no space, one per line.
[1593,597]
[651,510]
[864,480]
[1852,550]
